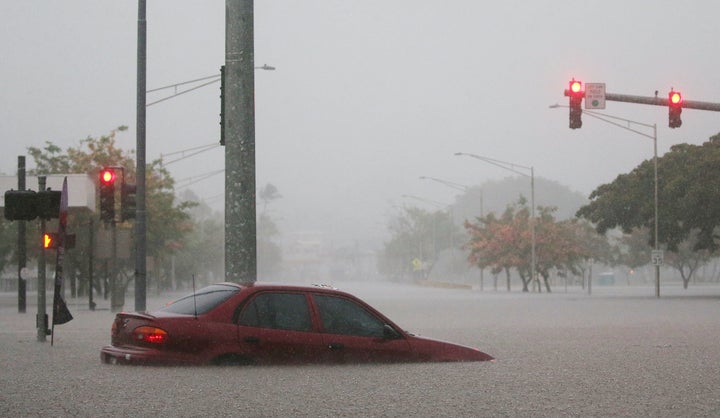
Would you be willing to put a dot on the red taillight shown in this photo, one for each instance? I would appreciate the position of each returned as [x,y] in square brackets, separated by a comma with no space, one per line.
[150,334]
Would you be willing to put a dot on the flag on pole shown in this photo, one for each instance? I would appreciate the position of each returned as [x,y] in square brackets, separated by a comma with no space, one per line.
[61,313]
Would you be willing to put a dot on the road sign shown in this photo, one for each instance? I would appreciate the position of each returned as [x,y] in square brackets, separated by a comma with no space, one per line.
[657,257]
[594,95]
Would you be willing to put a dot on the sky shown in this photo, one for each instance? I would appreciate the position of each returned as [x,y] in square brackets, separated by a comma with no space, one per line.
[367,96]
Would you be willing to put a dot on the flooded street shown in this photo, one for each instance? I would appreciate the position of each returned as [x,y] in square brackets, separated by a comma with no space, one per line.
[620,352]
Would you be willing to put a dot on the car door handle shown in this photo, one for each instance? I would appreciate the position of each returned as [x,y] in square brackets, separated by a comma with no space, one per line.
[252,340]
[336,346]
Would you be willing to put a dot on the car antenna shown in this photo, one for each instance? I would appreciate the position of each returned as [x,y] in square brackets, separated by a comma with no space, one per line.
[194,296]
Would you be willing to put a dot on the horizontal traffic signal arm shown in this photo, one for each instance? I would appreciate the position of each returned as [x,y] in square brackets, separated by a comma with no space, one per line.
[661,101]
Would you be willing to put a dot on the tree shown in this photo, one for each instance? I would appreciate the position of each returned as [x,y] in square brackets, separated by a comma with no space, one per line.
[505,243]
[688,176]
[269,253]
[634,249]
[501,243]
[686,259]
[589,245]
[8,242]
[417,235]
[167,221]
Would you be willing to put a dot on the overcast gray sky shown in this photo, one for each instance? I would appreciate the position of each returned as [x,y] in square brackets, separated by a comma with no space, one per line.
[368,95]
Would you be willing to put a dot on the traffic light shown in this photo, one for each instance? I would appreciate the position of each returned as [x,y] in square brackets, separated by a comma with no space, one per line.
[107,194]
[50,240]
[26,205]
[576,94]
[674,109]
[48,204]
[20,205]
[222,105]
[127,201]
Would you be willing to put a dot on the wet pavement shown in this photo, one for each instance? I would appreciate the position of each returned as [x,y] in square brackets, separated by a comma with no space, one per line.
[619,352]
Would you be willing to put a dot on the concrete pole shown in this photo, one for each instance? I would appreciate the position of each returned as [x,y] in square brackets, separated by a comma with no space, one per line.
[239,126]
[140,218]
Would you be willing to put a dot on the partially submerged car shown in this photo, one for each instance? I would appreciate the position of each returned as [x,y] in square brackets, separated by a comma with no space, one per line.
[257,323]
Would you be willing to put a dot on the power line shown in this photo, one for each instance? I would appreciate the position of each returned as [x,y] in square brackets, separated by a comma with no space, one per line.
[192,180]
[183,83]
[200,149]
[183,92]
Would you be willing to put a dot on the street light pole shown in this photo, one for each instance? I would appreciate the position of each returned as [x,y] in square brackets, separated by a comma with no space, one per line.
[603,117]
[657,248]
[463,188]
[512,167]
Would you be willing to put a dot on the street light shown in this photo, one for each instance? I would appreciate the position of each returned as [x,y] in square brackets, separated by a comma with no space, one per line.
[434,225]
[462,188]
[513,167]
[456,186]
[655,163]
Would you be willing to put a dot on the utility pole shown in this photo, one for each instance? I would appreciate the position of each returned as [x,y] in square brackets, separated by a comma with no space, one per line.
[140,218]
[22,244]
[239,134]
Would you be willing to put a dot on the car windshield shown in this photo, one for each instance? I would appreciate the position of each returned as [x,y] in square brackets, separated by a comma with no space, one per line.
[203,301]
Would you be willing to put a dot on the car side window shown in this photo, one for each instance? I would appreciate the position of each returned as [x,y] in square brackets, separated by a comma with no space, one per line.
[344,316]
[277,310]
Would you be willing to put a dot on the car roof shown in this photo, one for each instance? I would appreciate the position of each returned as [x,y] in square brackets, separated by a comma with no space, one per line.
[258,286]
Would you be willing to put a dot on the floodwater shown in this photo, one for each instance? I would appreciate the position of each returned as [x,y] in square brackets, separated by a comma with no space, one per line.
[619,352]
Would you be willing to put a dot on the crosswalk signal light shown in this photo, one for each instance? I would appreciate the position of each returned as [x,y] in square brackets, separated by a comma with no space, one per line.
[50,240]
[107,194]
[576,93]
[674,109]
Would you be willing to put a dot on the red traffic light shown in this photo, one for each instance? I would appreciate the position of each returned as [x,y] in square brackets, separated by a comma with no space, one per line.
[675,98]
[107,176]
[675,105]
[575,87]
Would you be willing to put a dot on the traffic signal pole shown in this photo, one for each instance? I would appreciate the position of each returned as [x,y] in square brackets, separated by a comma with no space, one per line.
[22,245]
[41,320]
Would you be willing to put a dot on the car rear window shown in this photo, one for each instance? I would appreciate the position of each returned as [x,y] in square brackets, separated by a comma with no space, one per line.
[205,300]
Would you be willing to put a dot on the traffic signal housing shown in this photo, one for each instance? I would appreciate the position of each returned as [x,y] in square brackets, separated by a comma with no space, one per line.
[20,205]
[576,93]
[222,105]
[26,205]
[51,240]
[675,101]
[128,204]
[106,188]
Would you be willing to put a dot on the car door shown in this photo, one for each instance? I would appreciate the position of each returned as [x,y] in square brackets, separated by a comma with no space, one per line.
[352,333]
[276,327]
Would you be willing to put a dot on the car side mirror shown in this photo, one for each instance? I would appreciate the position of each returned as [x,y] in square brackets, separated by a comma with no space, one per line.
[390,333]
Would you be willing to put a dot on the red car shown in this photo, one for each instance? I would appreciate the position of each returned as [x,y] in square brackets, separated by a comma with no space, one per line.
[230,323]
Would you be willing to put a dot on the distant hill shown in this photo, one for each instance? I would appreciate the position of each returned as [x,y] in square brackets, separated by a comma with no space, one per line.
[497,195]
